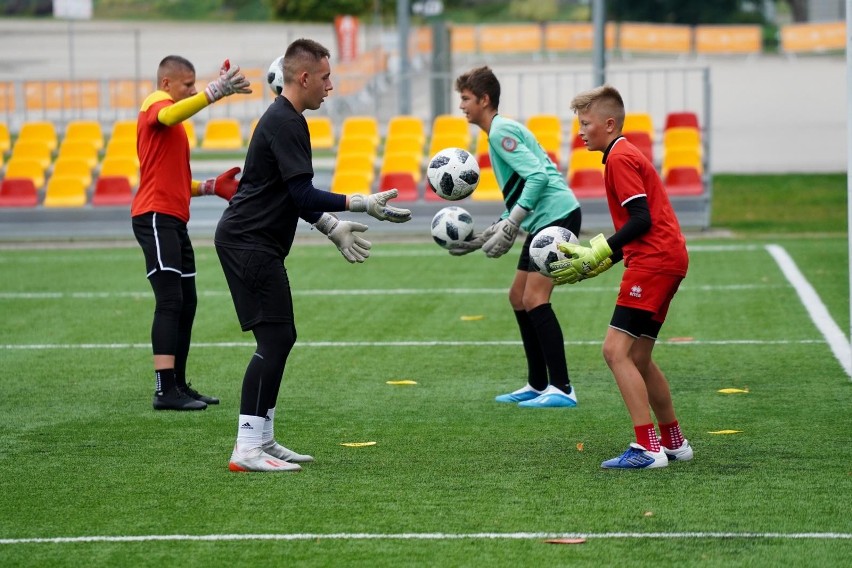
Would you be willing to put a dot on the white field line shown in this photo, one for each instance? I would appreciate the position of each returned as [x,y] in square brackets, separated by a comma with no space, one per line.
[340,344]
[359,292]
[431,536]
[836,339]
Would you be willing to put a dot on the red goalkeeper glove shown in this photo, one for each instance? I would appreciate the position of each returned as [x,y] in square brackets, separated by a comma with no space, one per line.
[224,185]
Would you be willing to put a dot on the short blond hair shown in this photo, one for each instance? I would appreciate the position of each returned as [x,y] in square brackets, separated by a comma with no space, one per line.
[604,100]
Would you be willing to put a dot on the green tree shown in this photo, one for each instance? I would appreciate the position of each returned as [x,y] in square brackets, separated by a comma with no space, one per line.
[326,10]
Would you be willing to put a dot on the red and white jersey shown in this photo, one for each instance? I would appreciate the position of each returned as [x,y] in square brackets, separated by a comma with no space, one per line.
[164,173]
[628,175]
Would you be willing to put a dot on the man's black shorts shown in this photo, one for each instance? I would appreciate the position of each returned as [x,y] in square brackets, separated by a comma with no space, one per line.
[165,243]
[259,286]
[572,222]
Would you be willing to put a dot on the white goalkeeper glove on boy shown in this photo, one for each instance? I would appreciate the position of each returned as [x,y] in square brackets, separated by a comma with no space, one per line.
[354,248]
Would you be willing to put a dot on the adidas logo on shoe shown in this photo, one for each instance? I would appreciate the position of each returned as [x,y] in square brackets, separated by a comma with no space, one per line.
[246,426]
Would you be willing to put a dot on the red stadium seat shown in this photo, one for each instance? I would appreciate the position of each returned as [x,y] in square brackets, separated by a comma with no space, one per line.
[403,182]
[484,160]
[643,142]
[18,192]
[683,181]
[683,118]
[111,191]
[577,142]
[587,184]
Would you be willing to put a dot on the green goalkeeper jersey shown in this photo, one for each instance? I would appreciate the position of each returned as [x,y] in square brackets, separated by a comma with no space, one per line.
[527,176]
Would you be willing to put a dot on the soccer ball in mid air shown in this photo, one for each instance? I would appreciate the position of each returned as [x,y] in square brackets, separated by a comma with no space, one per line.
[275,76]
[453,173]
[452,225]
[543,249]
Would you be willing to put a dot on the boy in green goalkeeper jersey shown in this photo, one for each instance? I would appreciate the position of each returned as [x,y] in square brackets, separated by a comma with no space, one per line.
[536,196]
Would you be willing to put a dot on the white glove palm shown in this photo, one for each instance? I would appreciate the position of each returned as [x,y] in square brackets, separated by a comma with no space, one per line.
[505,232]
[354,248]
[229,82]
[376,206]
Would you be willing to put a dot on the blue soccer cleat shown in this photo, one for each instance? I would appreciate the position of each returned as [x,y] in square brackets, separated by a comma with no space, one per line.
[683,453]
[637,457]
[552,397]
[520,395]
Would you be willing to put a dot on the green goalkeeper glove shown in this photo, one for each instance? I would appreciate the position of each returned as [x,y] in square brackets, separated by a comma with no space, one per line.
[563,272]
[586,259]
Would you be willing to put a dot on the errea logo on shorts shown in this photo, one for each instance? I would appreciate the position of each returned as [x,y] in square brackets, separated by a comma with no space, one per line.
[636,291]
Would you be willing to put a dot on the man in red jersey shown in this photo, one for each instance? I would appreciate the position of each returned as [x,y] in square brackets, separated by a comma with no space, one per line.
[160,212]
[648,238]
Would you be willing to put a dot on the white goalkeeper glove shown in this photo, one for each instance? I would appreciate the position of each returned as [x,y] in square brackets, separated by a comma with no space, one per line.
[474,244]
[376,206]
[354,248]
[229,82]
[505,232]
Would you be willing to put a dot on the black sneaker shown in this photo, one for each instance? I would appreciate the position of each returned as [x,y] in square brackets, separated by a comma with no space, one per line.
[198,396]
[176,399]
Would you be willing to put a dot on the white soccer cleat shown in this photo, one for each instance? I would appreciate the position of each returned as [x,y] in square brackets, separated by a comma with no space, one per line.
[256,459]
[683,453]
[275,449]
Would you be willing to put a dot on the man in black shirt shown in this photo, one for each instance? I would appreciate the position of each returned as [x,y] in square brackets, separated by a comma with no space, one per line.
[256,232]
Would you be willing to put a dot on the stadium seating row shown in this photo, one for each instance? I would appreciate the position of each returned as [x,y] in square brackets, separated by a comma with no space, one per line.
[401,166]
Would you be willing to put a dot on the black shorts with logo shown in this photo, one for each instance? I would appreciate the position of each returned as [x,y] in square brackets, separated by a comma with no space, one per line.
[572,222]
[165,243]
[259,286]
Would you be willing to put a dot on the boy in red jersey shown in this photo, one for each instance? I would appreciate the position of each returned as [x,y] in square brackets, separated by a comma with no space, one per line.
[160,212]
[648,238]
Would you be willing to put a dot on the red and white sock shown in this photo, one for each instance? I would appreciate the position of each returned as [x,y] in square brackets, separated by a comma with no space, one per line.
[671,436]
[646,437]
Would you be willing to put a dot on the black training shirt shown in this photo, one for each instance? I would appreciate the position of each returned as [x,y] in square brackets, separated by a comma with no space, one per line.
[275,189]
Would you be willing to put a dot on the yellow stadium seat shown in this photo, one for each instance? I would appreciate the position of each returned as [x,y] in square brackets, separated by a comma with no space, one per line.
[575,126]
[5,138]
[545,123]
[65,192]
[582,159]
[402,163]
[122,148]
[401,144]
[448,140]
[40,130]
[322,132]
[552,144]
[123,129]
[364,126]
[681,158]
[452,125]
[481,143]
[487,189]
[357,163]
[87,130]
[361,145]
[349,182]
[681,136]
[120,166]
[252,126]
[191,137]
[639,122]
[73,167]
[26,168]
[406,126]
[222,134]
[80,150]
[33,149]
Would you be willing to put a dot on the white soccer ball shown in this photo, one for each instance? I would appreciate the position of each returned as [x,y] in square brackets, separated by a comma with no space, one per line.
[453,173]
[275,76]
[543,249]
[452,225]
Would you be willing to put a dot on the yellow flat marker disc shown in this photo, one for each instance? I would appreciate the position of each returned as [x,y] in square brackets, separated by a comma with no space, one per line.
[726,432]
[565,541]
[405,382]
[732,391]
[357,444]
[472,318]
[681,339]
